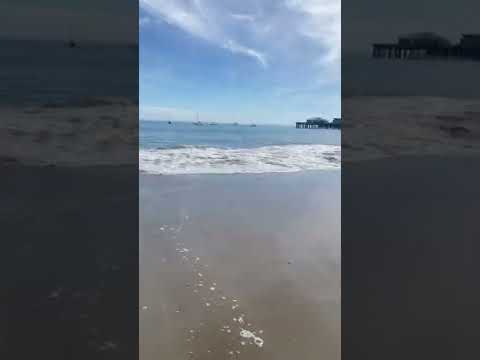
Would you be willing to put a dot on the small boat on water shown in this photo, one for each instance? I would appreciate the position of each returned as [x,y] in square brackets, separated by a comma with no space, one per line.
[253,125]
[71,44]
[235,124]
[198,122]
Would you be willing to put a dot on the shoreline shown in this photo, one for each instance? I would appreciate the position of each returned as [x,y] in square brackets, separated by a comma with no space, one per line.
[268,252]
[279,173]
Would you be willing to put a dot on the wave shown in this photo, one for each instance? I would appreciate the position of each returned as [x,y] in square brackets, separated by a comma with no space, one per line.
[212,160]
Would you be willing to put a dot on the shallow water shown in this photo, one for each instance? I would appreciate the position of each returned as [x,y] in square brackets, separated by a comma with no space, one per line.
[184,148]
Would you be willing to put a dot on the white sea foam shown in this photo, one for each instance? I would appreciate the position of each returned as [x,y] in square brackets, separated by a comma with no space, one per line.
[266,159]
[250,335]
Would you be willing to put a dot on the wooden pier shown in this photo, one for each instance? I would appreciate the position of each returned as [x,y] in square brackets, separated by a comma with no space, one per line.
[318,123]
[395,51]
[428,45]
[305,125]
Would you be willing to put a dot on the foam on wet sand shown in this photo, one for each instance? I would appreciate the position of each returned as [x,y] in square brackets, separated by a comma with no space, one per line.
[229,266]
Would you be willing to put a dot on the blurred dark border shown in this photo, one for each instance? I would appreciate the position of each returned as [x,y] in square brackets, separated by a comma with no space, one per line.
[410,194]
[69,179]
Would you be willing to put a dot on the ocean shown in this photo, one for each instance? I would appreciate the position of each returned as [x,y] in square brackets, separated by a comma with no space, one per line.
[50,72]
[185,148]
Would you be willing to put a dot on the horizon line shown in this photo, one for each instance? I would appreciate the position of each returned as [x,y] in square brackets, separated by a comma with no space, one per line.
[217,122]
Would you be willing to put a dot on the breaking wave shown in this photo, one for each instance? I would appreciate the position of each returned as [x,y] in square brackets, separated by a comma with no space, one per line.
[213,160]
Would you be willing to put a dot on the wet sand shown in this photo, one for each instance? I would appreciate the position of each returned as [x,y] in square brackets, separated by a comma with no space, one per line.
[222,254]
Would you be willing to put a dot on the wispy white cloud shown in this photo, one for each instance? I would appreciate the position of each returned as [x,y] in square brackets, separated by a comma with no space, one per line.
[185,15]
[305,32]
[322,23]
[201,19]
[243,17]
[240,49]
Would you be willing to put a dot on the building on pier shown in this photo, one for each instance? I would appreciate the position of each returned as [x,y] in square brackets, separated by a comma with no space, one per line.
[319,123]
[428,45]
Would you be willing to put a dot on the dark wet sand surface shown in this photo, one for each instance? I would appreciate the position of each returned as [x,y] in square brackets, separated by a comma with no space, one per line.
[220,254]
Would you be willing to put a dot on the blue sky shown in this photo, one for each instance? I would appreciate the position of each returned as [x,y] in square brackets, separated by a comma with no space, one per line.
[262,61]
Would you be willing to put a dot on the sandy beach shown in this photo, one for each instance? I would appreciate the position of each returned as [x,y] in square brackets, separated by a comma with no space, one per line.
[240,266]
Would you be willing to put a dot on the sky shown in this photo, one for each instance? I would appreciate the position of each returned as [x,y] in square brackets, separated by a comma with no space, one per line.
[261,61]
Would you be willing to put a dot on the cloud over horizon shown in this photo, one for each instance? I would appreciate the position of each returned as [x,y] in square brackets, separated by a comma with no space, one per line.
[264,30]
[268,61]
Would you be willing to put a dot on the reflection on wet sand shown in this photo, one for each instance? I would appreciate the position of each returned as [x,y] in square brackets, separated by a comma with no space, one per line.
[253,275]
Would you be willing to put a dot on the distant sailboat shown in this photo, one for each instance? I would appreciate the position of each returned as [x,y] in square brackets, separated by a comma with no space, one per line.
[198,123]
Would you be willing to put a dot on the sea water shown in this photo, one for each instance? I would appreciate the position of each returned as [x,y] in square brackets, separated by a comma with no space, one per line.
[186,148]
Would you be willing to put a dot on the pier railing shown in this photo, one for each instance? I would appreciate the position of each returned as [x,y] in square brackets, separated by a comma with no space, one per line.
[307,125]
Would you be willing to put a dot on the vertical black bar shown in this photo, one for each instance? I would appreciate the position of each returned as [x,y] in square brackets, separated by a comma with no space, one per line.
[410,179]
[69,179]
